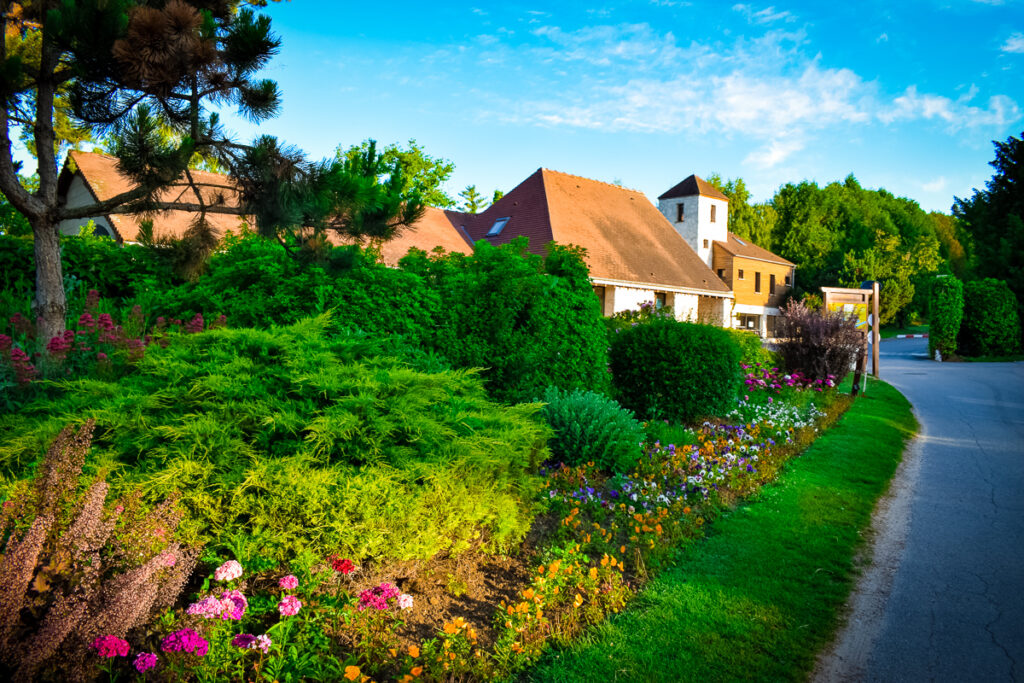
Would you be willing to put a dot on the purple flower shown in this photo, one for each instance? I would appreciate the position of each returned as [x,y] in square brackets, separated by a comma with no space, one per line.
[244,640]
[145,661]
[185,640]
[110,646]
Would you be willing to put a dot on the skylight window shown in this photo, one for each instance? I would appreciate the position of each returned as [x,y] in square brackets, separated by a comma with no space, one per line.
[742,243]
[498,226]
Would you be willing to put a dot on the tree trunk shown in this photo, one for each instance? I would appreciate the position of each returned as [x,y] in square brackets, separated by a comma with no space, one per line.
[50,304]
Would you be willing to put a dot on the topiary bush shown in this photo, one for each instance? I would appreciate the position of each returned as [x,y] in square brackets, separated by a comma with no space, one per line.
[947,309]
[299,439]
[674,370]
[822,345]
[590,427]
[990,325]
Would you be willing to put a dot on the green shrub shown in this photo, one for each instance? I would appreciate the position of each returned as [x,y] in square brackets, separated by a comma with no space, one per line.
[752,351]
[530,322]
[303,440]
[947,309]
[675,371]
[823,345]
[990,325]
[591,427]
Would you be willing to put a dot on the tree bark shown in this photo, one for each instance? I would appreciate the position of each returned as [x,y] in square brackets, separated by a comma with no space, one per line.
[50,304]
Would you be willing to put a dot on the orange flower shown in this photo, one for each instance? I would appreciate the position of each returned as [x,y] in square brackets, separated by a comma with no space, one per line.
[351,672]
[593,573]
[540,569]
[416,671]
[528,593]
[686,510]
[450,628]
[516,647]
[394,652]
[414,651]
[604,560]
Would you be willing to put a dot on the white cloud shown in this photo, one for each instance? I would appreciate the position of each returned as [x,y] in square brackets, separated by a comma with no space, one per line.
[883,38]
[768,15]
[774,153]
[957,114]
[937,185]
[1015,43]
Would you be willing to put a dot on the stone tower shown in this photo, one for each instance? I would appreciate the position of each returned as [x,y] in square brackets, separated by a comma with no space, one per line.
[699,212]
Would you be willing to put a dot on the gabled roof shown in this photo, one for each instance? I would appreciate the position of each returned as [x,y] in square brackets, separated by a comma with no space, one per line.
[745,248]
[99,171]
[626,237]
[432,230]
[694,185]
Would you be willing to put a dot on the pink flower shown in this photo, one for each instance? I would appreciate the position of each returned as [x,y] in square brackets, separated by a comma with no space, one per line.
[145,661]
[185,640]
[263,642]
[244,640]
[110,646]
[289,606]
[170,559]
[288,582]
[229,571]
[405,601]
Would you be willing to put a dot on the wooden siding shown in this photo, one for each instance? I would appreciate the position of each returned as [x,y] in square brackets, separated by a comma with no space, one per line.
[743,289]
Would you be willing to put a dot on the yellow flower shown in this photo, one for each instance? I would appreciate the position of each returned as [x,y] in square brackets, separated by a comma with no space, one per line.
[578,601]
[351,672]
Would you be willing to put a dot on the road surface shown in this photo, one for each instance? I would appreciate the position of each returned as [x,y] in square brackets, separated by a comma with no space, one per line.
[944,597]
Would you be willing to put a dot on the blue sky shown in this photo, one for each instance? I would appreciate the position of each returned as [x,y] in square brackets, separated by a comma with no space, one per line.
[905,95]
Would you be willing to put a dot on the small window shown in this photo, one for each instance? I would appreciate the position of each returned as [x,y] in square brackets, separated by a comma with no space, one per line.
[660,299]
[789,280]
[757,282]
[721,273]
[498,226]
[705,244]
[771,283]
[742,243]
[741,274]
[680,213]
[713,207]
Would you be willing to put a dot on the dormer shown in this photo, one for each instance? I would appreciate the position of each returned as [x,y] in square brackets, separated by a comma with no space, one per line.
[699,212]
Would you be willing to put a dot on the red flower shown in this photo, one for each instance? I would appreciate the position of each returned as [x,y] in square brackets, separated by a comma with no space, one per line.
[342,565]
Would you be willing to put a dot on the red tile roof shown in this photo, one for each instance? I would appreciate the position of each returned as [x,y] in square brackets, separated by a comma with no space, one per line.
[104,180]
[742,247]
[694,185]
[432,230]
[626,237]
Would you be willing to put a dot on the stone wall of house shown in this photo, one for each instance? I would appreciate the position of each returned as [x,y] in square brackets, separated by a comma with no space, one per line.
[697,228]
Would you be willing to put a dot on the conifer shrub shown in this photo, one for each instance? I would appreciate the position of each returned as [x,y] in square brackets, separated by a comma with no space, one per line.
[590,427]
[822,345]
[990,325]
[947,309]
[675,370]
[300,439]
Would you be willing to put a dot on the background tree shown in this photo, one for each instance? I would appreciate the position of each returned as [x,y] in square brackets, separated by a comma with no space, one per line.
[422,173]
[472,200]
[748,221]
[135,71]
[994,219]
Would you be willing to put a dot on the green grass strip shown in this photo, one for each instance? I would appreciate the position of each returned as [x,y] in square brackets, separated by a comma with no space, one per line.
[760,595]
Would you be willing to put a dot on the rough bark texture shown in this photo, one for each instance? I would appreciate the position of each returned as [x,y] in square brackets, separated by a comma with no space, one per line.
[50,304]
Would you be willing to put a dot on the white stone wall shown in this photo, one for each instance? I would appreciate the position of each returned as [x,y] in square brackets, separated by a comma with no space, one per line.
[686,307]
[630,298]
[696,226]
[80,195]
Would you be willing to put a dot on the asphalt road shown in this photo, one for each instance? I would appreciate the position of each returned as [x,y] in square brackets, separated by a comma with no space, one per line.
[952,607]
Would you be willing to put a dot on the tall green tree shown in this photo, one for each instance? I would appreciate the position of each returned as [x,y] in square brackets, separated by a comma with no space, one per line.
[472,200]
[753,222]
[994,218]
[133,69]
[421,173]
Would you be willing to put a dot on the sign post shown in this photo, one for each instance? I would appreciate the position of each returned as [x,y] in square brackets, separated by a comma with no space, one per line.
[862,305]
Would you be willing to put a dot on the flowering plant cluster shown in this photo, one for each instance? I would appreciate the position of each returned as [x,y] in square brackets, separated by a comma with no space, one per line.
[760,377]
[92,342]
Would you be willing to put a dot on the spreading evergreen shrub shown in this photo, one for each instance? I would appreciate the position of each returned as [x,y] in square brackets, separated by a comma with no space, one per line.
[675,371]
[947,309]
[303,440]
[990,324]
[590,427]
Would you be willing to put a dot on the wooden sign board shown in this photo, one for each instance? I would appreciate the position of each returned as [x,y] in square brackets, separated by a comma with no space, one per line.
[861,304]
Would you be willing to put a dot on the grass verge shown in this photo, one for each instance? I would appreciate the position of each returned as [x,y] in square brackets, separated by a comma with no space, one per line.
[760,595]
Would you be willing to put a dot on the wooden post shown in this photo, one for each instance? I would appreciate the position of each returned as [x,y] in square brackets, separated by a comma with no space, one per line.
[875,334]
[858,372]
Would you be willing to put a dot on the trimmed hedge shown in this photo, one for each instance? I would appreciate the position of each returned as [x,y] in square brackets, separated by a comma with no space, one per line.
[991,325]
[675,370]
[947,309]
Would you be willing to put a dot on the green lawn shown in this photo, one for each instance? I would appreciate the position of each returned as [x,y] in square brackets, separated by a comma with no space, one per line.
[760,595]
